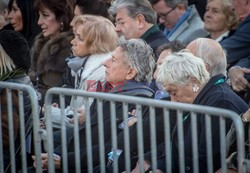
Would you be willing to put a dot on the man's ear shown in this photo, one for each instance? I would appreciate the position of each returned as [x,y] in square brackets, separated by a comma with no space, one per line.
[141,21]
[131,74]
[181,9]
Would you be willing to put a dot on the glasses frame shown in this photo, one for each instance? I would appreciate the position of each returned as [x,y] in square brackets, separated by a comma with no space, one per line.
[120,22]
[164,16]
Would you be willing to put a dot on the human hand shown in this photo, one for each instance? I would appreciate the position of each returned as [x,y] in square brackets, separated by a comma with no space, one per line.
[44,159]
[246,116]
[81,116]
[238,81]
[137,167]
[133,113]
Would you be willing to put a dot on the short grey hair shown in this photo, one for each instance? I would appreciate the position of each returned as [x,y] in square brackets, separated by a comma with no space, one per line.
[139,55]
[180,67]
[212,54]
[134,8]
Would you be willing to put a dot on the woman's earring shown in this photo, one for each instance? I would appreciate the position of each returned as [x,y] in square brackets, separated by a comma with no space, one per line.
[195,88]
[62,26]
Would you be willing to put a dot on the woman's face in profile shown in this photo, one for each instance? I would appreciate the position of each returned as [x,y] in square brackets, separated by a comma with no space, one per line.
[79,47]
[15,17]
[48,23]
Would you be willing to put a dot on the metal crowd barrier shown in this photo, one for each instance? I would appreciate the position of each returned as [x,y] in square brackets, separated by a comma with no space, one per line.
[25,126]
[195,110]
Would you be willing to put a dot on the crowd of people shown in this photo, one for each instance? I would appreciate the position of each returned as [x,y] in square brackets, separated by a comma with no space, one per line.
[173,50]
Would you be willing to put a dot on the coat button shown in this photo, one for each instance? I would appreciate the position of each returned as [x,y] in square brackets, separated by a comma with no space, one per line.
[187,168]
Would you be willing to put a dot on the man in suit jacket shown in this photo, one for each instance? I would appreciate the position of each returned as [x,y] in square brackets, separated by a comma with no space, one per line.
[137,19]
[180,22]
[237,47]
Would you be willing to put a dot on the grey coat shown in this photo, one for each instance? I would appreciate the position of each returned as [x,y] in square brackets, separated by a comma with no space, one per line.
[190,29]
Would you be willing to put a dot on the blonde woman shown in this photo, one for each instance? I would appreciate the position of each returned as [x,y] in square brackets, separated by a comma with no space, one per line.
[95,39]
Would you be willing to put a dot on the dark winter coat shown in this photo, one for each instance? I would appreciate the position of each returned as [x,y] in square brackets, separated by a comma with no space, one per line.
[215,95]
[131,88]
[48,60]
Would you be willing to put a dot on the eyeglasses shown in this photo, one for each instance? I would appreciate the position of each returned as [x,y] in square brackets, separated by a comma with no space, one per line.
[164,16]
[120,22]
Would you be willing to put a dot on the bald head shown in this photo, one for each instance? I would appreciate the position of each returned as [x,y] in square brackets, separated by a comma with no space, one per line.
[212,54]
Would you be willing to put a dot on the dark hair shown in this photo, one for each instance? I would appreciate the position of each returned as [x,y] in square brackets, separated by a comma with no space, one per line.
[174,46]
[171,3]
[30,17]
[63,10]
[154,1]
[99,7]
[16,47]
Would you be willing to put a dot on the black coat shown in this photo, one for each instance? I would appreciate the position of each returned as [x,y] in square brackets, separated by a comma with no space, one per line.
[131,88]
[220,96]
[156,39]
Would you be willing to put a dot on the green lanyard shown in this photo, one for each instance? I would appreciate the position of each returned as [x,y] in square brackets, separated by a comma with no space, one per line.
[222,80]
[185,118]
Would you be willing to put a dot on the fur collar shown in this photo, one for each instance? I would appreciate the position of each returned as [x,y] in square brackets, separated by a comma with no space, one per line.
[50,54]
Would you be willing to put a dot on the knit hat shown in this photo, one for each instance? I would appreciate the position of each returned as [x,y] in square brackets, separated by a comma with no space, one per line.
[16,46]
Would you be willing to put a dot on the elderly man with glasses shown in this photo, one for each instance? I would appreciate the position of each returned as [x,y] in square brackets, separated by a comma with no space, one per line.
[137,19]
[179,21]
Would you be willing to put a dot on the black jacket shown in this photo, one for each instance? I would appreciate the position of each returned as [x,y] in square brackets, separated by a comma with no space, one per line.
[215,95]
[131,88]
[156,39]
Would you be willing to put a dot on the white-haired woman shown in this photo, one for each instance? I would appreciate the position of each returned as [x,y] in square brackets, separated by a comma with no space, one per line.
[186,79]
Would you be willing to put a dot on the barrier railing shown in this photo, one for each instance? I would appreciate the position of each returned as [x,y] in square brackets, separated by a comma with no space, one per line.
[97,144]
[28,117]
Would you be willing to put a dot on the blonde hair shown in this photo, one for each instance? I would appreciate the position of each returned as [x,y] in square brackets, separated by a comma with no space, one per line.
[6,63]
[98,32]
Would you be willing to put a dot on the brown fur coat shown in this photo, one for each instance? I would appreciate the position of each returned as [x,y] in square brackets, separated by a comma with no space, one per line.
[48,59]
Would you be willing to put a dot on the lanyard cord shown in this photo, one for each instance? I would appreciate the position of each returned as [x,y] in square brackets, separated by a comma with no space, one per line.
[79,76]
